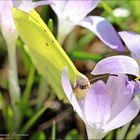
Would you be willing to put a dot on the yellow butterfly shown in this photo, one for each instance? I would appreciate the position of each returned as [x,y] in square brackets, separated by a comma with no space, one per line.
[47,55]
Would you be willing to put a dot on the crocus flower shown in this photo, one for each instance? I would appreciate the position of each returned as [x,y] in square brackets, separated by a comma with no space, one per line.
[105,106]
[71,13]
[122,64]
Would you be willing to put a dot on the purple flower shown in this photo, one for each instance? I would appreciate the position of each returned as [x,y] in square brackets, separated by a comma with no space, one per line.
[118,64]
[71,13]
[123,64]
[105,106]
[6,20]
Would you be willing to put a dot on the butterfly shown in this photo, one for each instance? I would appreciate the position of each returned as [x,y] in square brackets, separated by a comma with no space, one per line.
[45,52]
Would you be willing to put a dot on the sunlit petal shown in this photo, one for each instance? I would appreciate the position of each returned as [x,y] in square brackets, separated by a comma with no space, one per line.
[117,65]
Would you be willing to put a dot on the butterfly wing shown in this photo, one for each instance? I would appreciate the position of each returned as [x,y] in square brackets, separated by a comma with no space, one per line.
[46,53]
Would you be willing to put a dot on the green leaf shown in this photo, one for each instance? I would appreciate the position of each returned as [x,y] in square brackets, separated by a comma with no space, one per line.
[73,135]
[135,8]
[32,120]
[9,119]
[47,55]
[123,131]
[79,55]
[133,132]
[39,136]
[110,136]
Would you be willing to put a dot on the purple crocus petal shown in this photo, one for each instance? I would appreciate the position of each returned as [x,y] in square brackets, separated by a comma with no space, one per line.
[77,10]
[116,84]
[98,101]
[132,41]
[137,87]
[90,104]
[117,65]
[121,96]
[69,92]
[125,116]
[104,30]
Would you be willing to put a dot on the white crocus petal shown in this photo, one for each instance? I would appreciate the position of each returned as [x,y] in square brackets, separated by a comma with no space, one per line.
[40,3]
[70,13]
[7,25]
[73,10]
[125,116]
[64,28]
[117,65]
[78,10]
[93,133]
[104,30]
[58,7]
[26,6]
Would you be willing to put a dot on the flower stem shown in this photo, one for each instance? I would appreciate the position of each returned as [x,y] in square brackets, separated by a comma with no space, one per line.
[14,89]
[29,84]
[53,134]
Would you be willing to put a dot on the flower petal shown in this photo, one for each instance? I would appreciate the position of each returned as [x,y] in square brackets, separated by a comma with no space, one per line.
[132,41]
[125,116]
[137,87]
[97,104]
[16,3]
[26,6]
[104,30]
[42,2]
[122,92]
[69,92]
[58,6]
[93,133]
[77,10]
[7,24]
[116,84]
[90,104]
[117,65]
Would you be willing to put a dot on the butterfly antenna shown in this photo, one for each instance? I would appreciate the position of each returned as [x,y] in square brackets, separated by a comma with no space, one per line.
[100,77]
